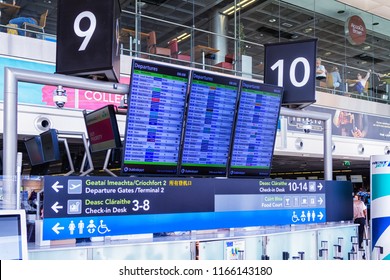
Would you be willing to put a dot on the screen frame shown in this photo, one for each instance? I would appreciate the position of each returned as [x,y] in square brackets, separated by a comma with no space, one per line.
[201,173]
[152,168]
[22,230]
[261,85]
[38,144]
[52,135]
[117,143]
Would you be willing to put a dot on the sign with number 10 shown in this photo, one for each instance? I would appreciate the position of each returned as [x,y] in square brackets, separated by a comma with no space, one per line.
[88,38]
[292,66]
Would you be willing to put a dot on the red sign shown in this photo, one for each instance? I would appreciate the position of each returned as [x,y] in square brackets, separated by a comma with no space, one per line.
[84,99]
[355,30]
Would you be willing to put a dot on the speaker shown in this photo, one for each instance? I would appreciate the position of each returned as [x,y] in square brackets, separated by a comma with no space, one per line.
[88,39]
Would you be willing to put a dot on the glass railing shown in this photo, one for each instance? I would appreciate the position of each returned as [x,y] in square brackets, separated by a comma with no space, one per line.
[28,33]
[374,88]
[200,48]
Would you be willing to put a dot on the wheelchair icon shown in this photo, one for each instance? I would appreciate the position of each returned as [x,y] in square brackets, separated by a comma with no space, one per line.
[102,228]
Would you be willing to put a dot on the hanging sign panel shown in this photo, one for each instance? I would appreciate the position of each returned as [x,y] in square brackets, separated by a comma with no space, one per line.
[79,207]
[292,66]
[88,39]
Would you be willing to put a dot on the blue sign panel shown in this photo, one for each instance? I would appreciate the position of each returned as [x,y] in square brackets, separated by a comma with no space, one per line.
[78,207]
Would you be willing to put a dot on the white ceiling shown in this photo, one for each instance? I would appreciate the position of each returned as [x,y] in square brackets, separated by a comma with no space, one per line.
[380,8]
[371,11]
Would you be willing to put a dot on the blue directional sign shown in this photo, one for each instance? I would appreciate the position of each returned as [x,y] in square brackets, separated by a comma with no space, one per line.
[79,207]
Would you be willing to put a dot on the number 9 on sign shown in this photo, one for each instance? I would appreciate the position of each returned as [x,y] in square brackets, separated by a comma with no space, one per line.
[86,34]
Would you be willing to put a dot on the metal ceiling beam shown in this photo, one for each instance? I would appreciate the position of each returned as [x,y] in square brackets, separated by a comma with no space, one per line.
[327,118]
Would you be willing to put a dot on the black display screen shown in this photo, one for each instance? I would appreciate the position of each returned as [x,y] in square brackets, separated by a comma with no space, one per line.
[209,124]
[102,129]
[50,145]
[156,105]
[13,235]
[255,130]
[34,150]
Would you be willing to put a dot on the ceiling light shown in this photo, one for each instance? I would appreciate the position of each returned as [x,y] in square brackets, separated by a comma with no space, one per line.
[182,38]
[286,24]
[272,20]
[307,30]
[239,6]
[182,35]
[365,48]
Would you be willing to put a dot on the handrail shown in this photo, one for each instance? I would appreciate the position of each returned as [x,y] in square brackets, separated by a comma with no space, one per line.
[380,97]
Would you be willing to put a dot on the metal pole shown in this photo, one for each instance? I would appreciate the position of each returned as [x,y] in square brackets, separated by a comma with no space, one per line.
[11,78]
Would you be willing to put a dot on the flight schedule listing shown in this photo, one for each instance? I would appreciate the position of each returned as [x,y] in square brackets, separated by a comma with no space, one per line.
[255,130]
[209,123]
[156,105]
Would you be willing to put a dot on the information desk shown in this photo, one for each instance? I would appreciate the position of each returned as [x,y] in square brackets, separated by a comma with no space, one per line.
[274,243]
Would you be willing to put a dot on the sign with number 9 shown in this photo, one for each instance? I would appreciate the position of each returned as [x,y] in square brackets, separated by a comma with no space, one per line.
[292,66]
[88,38]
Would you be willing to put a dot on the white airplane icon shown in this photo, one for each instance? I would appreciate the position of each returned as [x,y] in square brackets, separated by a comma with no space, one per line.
[74,186]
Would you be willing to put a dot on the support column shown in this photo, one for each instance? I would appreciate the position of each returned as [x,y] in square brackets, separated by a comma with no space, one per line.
[218,40]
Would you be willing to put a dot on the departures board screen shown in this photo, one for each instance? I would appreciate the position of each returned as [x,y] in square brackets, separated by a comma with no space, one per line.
[209,124]
[255,130]
[156,103]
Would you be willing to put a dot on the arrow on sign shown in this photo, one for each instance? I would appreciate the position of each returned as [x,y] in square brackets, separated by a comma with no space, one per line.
[56,186]
[320,200]
[57,228]
[320,215]
[320,186]
[55,207]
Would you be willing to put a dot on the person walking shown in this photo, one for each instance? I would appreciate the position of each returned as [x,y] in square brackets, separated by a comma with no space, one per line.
[359,217]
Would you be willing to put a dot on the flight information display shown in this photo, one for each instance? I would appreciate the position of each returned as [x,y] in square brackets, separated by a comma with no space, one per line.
[156,104]
[255,130]
[209,124]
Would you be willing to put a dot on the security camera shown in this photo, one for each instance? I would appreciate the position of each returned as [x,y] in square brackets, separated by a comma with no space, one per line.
[42,123]
[306,126]
[60,97]
[360,149]
[298,143]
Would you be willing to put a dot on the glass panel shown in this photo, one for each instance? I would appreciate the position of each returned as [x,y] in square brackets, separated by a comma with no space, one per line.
[229,37]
